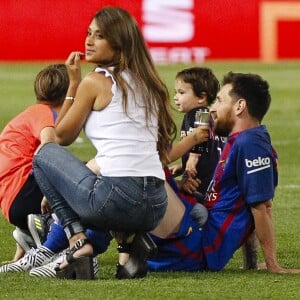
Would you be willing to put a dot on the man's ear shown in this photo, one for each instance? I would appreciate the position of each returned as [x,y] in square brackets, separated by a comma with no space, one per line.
[241,106]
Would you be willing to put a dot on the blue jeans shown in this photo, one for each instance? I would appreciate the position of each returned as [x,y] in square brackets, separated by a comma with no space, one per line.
[82,199]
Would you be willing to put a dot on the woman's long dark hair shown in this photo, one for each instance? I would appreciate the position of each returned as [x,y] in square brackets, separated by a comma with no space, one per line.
[120,29]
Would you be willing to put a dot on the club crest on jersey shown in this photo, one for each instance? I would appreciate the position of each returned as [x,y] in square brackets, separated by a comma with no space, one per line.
[257,164]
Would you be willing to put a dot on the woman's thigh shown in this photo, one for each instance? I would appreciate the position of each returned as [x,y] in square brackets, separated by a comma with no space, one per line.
[61,173]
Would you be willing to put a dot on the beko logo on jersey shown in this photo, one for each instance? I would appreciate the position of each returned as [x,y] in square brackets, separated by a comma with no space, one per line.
[258,164]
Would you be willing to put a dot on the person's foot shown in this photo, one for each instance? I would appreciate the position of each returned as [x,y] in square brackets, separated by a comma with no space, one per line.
[24,239]
[82,248]
[134,268]
[32,258]
[48,270]
[141,249]
[38,225]
[78,263]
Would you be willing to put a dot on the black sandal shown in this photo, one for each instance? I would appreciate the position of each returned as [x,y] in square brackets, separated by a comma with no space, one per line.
[78,267]
[141,249]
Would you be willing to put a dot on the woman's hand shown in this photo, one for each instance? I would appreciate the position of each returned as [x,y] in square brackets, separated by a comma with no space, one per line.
[73,66]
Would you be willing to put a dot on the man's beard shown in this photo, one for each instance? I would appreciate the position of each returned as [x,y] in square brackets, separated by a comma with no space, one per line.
[223,129]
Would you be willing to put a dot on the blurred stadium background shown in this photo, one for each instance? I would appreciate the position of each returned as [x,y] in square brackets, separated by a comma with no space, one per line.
[177,31]
[259,36]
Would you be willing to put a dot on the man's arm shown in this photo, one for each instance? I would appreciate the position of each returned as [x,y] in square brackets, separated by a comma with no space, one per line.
[264,230]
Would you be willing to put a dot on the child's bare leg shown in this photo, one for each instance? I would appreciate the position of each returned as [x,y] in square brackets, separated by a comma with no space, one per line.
[18,254]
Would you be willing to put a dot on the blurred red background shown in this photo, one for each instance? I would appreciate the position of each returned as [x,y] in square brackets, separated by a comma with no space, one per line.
[175,30]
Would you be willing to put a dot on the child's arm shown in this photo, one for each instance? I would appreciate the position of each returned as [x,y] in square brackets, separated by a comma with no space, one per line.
[191,164]
[176,170]
[197,136]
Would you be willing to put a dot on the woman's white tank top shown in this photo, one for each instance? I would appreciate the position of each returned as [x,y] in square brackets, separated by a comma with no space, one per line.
[125,145]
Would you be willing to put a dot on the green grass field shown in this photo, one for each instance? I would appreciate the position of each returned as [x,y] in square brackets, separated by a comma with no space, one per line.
[283,122]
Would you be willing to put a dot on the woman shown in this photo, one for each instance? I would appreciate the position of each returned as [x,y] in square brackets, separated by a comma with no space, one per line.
[124,108]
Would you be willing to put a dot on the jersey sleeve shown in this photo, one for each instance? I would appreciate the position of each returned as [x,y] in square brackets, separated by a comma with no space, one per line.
[256,170]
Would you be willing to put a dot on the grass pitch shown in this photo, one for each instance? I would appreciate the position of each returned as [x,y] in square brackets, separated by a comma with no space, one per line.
[283,122]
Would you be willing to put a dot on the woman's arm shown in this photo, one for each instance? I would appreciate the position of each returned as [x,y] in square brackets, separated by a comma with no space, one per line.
[74,72]
[74,113]
[47,135]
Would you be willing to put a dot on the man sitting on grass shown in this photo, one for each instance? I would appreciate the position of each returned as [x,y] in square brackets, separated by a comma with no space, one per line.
[240,195]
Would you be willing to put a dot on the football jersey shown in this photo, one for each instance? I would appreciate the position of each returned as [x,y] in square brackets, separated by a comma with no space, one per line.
[245,175]
[209,152]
